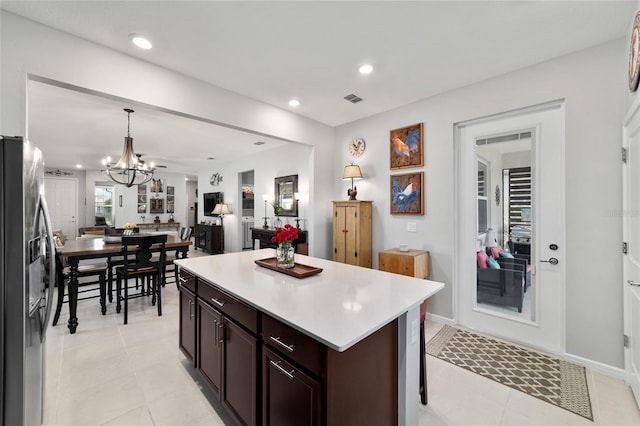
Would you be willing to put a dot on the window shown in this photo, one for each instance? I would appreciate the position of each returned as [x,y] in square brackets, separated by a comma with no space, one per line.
[104,202]
[482,196]
[517,197]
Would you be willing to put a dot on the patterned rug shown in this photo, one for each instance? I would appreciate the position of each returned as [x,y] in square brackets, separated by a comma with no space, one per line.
[547,378]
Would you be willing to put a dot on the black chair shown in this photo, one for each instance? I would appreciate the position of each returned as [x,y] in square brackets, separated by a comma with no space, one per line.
[185,235]
[101,221]
[88,270]
[143,267]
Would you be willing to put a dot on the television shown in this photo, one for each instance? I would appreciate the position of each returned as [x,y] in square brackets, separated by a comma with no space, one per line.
[210,201]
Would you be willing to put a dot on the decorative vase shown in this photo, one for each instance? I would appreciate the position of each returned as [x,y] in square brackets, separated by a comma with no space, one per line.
[277,222]
[284,256]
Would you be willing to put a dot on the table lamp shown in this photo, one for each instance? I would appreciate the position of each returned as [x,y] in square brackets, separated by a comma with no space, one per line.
[221,209]
[352,172]
[296,196]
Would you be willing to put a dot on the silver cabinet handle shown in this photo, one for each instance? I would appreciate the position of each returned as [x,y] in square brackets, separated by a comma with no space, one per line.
[182,280]
[191,314]
[218,302]
[289,374]
[634,283]
[284,345]
[552,260]
[215,332]
[220,333]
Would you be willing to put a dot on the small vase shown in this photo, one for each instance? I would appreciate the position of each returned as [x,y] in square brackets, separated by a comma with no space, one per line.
[284,256]
[277,222]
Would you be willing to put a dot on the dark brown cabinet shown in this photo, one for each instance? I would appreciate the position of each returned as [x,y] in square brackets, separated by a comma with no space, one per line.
[264,236]
[228,351]
[289,396]
[209,238]
[187,334]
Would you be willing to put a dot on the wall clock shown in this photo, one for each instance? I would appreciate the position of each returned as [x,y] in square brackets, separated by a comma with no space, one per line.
[356,147]
[634,54]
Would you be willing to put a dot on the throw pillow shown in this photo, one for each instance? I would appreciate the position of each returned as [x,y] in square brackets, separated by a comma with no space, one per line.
[482,259]
[506,254]
[495,251]
[492,263]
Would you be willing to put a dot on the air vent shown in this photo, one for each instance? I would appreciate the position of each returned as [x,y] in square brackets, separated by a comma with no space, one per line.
[505,138]
[354,99]
[259,143]
[211,158]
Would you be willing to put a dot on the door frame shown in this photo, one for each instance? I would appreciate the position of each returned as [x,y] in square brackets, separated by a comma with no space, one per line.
[462,259]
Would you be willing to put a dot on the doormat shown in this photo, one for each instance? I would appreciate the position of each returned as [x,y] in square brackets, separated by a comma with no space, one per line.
[542,376]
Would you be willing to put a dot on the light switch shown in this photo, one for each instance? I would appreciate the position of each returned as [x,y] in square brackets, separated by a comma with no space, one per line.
[411,227]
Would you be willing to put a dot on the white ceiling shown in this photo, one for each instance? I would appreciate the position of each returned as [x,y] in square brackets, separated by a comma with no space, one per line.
[310,50]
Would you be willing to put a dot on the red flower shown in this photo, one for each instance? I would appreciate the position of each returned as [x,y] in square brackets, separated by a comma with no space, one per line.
[286,234]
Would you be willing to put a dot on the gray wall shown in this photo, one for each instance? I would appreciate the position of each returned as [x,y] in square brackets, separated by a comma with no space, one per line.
[591,81]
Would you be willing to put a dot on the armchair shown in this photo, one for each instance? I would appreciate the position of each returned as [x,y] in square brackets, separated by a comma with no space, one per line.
[504,286]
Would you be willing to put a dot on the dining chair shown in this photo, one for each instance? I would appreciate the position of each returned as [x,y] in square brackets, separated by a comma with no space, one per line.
[139,263]
[86,270]
[185,235]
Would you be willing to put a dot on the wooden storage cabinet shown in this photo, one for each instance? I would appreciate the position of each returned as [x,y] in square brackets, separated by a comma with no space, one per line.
[352,232]
[209,238]
[412,263]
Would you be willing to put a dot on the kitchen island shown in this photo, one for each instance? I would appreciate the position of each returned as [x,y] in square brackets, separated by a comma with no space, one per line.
[339,347]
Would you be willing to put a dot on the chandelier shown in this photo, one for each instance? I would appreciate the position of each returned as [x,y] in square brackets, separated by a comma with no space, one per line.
[130,169]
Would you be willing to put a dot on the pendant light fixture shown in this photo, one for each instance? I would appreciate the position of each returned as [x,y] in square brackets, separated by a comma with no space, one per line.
[130,169]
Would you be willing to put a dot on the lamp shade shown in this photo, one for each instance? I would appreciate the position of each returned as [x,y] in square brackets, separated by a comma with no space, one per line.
[221,209]
[490,238]
[352,172]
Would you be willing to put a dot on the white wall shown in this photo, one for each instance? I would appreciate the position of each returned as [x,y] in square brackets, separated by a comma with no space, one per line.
[30,48]
[591,82]
[291,159]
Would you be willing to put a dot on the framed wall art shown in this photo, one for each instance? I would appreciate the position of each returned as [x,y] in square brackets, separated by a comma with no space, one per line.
[142,208]
[407,193]
[406,147]
[157,205]
[156,186]
[170,190]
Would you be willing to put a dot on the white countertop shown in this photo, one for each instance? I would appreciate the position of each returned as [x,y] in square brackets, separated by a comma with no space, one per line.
[339,306]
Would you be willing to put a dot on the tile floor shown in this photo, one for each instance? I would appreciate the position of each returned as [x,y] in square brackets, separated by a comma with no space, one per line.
[111,374]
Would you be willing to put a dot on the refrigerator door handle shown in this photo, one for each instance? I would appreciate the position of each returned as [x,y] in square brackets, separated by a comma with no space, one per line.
[51,245]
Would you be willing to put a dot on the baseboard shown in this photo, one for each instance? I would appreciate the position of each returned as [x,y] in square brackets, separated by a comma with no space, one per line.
[440,319]
[609,370]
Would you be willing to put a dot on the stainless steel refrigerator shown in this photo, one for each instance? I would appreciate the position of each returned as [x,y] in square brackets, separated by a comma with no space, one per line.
[27,260]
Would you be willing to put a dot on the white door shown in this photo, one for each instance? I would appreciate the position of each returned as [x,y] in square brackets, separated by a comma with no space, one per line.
[631,262]
[62,197]
[544,327]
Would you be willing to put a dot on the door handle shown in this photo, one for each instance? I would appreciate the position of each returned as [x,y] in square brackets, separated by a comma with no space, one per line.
[551,260]
[634,283]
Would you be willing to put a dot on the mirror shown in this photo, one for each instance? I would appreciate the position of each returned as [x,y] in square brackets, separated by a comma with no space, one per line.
[285,189]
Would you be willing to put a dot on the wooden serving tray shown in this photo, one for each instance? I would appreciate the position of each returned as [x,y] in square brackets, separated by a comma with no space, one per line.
[299,270]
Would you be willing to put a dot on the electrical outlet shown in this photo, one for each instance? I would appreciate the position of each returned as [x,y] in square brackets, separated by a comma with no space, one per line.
[415,330]
[411,227]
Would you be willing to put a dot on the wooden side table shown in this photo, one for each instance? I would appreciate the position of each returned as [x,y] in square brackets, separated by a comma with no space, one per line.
[412,263]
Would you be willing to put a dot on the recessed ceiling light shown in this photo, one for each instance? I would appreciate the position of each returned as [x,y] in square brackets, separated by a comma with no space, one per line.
[294,102]
[78,166]
[141,41]
[365,69]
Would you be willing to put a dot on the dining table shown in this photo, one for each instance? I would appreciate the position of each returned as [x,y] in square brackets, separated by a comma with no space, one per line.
[96,248]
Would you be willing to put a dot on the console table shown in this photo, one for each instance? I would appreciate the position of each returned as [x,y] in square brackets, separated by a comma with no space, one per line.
[301,244]
[162,226]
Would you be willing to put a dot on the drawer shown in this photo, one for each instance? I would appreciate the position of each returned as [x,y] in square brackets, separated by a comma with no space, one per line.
[293,344]
[187,280]
[239,311]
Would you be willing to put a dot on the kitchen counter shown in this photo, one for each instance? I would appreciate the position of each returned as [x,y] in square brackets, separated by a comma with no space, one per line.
[338,307]
[367,321]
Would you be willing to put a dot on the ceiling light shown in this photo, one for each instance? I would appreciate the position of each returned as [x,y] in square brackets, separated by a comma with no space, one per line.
[78,166]
[294,102]
[130,169]
[141,41]
[365,69]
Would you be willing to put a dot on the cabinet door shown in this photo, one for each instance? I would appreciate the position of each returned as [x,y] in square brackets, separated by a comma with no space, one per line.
[351,242]
[209,346]
[240,370]
[289,397]
[187,337]
[339,235]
